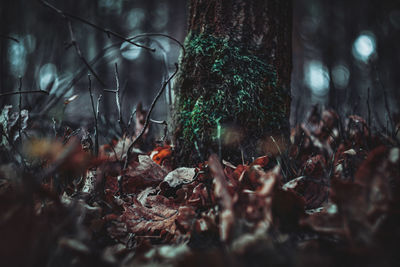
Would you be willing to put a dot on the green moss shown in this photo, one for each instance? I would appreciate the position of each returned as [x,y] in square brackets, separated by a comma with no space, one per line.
[223,83]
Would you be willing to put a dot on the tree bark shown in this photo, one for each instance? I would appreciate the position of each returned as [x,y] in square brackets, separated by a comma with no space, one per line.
[233,90]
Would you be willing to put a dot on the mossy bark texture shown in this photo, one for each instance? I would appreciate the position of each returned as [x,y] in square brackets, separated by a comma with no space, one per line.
[233,90]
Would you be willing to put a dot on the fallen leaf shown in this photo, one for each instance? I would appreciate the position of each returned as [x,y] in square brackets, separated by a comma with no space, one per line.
[180,176]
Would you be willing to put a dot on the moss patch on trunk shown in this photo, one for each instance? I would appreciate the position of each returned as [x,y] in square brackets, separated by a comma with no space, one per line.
[224,90]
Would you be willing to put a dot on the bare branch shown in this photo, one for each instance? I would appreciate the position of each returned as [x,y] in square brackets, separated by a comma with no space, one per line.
[117,99]
[9,38]
[389,119]
[130,119]
[20,110]
[146,124]
[389,114]
[369,109]
[79,53]
[161,35]
[24,92]
[106,31]
[95,60]
[96,137]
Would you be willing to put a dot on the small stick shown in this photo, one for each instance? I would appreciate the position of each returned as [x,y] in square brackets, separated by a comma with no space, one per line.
[9,38]
[369,110]
[20,108]
[78,51]
[96,137]
[117,99]
[131,118]
[146,123]
[388,112]
[378,76]
[162,35]
[99,56]
[24,92]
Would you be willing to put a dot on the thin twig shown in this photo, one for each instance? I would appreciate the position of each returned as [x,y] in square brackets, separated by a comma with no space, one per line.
[24,92]
[131,118]
[369,109]
[378,76]
[95,60]
[9,38]
[146,124]
[106,31]
[73,41]
[117,99]
[96,137]
[78,51]
[161,35]
[20,110]
[388,111]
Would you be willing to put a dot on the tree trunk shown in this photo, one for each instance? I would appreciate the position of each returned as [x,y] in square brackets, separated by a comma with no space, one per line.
[233,90]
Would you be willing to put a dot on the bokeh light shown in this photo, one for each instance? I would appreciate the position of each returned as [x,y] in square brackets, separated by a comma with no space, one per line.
[364,46]
[317,77]
[340,76]
[17,58]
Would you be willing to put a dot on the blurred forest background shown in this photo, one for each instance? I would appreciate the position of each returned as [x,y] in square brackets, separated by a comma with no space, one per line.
[345,55]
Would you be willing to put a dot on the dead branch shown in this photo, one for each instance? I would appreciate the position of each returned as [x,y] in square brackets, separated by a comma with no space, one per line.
[369,109]
[24,92]
[96,137]
[99,56]
[160,35]
[106,31]
[20,110]
[117,98]
[146,123]
[75,44]
[9,38]
[130,119]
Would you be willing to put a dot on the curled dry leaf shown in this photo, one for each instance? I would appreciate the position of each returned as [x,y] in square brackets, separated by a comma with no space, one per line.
[180,176]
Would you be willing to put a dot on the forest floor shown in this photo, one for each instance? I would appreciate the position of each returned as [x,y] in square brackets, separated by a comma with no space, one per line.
[332,198]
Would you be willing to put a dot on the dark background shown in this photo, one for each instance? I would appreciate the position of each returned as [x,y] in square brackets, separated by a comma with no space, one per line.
[341,50]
